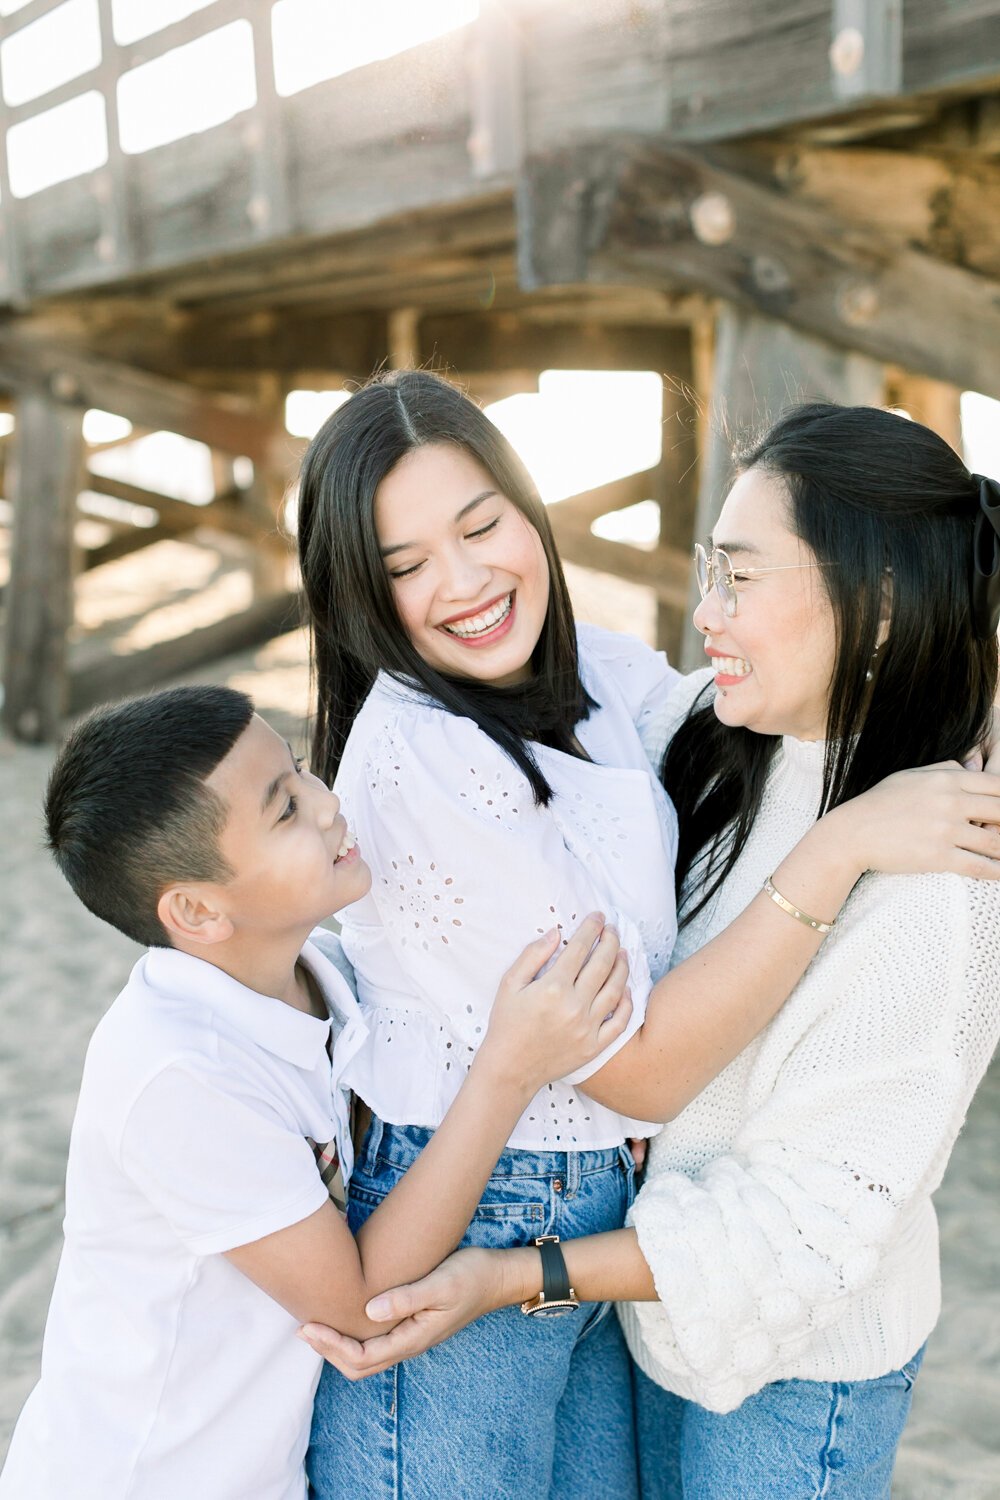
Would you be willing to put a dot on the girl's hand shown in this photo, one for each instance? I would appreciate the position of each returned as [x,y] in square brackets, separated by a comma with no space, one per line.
[464,1287]
[545,1025]
[938,818]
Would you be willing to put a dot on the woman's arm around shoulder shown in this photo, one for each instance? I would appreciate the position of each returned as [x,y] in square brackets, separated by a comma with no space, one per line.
[704,1012]
[749,1255]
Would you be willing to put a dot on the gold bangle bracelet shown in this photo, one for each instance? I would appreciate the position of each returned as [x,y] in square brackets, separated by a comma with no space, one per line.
[793,911]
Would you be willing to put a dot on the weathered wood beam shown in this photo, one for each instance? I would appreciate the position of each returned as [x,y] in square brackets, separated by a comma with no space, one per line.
[85,380]
[356,343]
[26,15]
[946,206]
[484,224]
[126,541]
[504,341]
[665,571]
[950,47]
[585,508]
[249,342]
[638,212]
[98,675]
[737,67]
[226,512]
[39,597]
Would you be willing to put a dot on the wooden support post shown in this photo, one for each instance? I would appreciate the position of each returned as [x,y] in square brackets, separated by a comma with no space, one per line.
[404,338]
[496,91]
[932,402]
[264,500]
[69,376]
[866,49]
[269,208]
[48,460]
[762,366]
[116,245]
[676,488]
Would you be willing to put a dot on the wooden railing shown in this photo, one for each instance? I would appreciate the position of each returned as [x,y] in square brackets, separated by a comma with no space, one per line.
[451,120]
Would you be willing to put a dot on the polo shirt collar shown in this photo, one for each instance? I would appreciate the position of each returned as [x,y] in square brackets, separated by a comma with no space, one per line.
[350,1027]
[277,1027]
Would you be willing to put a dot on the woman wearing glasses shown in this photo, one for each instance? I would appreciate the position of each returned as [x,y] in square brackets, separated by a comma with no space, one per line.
[490,762]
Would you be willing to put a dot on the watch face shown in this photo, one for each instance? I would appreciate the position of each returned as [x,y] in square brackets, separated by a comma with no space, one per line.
[553,1309]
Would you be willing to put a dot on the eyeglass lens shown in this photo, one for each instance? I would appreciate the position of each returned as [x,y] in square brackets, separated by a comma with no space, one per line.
[715,569]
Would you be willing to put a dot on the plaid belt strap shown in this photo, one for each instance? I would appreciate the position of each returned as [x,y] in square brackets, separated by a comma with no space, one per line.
[328,1161]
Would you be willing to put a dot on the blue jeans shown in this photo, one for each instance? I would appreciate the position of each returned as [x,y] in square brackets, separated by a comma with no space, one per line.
[511,1407]
[793,1440]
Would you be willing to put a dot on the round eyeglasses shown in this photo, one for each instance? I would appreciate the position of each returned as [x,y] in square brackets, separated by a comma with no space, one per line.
[715,570]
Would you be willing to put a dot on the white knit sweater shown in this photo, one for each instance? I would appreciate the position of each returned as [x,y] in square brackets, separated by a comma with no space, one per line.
[786,1213]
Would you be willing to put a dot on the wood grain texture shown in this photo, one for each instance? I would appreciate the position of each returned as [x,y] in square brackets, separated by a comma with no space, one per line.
[86,380]
[39,605]
[780,255]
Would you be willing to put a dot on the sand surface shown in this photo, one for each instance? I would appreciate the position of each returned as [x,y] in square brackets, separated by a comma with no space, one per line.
[59,969]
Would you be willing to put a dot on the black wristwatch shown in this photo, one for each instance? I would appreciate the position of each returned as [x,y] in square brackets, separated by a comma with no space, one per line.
[557,1296]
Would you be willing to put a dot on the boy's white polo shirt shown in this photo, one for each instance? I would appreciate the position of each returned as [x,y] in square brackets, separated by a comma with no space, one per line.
[166,1374]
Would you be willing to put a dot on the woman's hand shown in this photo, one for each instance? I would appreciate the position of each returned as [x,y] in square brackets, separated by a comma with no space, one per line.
[465,1286]
[938,818]
[992,747]
[544,1025]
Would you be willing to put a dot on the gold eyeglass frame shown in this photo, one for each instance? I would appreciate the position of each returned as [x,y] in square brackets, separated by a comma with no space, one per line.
[709,575]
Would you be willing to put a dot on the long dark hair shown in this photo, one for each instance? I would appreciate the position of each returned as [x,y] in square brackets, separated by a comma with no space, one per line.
[869,491]
[355,628]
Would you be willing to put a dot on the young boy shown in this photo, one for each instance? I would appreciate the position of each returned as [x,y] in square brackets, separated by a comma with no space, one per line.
[199,1228]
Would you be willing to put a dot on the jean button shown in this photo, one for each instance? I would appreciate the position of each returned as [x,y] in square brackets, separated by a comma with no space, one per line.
[835,1458]
[557,1185]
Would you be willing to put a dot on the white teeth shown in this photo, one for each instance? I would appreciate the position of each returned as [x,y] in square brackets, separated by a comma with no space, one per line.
[731,666]
[480,624]
[347,845]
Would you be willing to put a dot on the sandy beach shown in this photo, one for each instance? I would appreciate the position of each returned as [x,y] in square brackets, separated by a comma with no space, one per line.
[61,967]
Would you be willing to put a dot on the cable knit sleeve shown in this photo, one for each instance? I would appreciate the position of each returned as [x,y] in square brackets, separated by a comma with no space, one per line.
[853,1103]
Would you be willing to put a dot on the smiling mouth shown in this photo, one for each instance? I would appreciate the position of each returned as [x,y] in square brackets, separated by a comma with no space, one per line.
[347,846]
[730,666]
[474,627]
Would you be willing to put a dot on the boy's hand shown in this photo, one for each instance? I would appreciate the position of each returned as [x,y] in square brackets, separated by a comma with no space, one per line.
[546,1025]
[464,1287]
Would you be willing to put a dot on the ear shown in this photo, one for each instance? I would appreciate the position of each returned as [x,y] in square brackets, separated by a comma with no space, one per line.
[194,914]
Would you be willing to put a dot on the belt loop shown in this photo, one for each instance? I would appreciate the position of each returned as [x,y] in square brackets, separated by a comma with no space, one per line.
[373,1141]
[572,1172]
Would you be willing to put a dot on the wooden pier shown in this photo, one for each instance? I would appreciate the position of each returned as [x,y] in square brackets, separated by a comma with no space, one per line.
[757,199]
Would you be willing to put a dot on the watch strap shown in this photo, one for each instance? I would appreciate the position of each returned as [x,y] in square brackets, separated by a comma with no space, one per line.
[555,1276]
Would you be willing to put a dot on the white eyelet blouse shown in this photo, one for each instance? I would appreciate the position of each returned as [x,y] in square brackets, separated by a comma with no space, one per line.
[466,870]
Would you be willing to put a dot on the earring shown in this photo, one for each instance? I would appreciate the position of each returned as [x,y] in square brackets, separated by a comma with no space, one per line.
[871,670]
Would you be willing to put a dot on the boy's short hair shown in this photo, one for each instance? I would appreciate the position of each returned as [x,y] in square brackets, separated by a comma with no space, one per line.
[127,811]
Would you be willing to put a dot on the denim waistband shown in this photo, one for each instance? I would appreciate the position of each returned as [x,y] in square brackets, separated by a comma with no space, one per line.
[400,1145]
